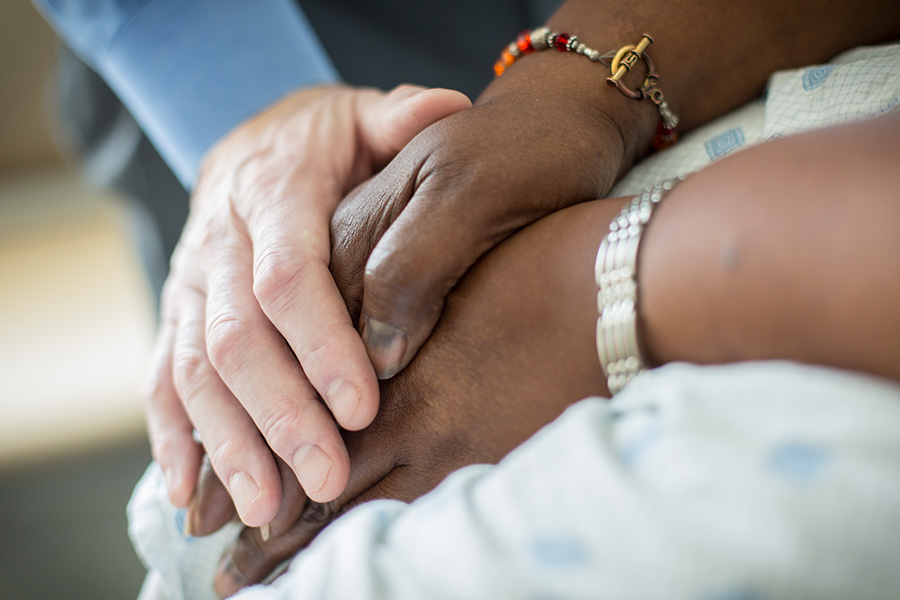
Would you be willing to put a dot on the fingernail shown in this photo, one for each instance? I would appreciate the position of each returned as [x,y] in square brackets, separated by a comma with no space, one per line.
[312,466]
[343,398]
[174,487]
[386,345]
[244,492]
[187,529]
[265,532]
[171,476]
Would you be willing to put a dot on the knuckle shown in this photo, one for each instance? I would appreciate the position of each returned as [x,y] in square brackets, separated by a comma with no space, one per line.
[207,240]
[254,180]
[389,292]
[274,269]
[376,274]
[223,457]
[189,369]
[325,347]
[280,426]
[227,336]
[277,274]
[167,448]
[320,514]
[400,262]
[309,352]
[383,278]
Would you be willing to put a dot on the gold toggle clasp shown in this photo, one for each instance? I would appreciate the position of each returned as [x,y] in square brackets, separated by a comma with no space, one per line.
[627,57]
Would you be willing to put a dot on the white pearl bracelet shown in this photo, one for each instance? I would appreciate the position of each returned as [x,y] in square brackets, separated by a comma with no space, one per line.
[616,275]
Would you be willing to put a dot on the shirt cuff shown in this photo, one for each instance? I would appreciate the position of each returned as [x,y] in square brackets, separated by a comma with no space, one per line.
[191,71]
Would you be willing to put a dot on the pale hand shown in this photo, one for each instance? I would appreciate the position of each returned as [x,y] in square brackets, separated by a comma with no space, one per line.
[253,329]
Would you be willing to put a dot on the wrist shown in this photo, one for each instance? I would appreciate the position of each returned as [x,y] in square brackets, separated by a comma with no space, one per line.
[578,81]
[571,92]
[555,256]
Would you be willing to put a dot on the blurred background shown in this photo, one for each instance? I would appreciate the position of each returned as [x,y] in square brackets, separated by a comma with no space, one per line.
[76,327]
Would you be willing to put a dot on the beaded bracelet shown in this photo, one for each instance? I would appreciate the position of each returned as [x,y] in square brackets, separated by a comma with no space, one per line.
[616,275]
[622,62]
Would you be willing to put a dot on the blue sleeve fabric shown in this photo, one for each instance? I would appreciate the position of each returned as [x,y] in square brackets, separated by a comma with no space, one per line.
[191,70]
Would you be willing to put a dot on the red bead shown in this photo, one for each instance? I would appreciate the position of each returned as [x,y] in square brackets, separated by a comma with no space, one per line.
[524,42]
[665,136]
[561,42]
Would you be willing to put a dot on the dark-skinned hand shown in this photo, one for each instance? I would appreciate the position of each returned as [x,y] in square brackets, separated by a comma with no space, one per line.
[468,182]
[503,361]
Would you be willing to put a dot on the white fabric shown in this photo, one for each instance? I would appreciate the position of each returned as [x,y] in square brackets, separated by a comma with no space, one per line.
[754,481]
[744,482]
[858,84]
[185,565]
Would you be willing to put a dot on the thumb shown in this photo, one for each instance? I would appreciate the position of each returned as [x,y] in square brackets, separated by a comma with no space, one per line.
[412,268]
[387,122]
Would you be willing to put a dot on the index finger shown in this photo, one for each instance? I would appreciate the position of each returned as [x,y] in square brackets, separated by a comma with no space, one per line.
[296,291]
[251,357]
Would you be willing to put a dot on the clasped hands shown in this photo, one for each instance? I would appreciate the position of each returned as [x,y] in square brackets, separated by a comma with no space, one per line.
[256,329]
[504,360]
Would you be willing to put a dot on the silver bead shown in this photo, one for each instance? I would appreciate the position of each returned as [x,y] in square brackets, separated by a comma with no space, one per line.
[539,38]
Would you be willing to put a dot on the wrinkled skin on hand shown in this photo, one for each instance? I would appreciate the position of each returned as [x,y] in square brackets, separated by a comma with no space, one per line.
[514,347]
[253,329]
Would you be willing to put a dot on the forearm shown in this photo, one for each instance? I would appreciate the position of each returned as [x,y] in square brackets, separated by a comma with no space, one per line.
[711,56]
[788,250]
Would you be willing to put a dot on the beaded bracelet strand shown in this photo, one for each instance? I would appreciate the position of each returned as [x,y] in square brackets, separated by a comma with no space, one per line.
[622,62]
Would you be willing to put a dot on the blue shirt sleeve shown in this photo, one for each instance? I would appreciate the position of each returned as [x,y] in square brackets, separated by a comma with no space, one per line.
[191,70]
